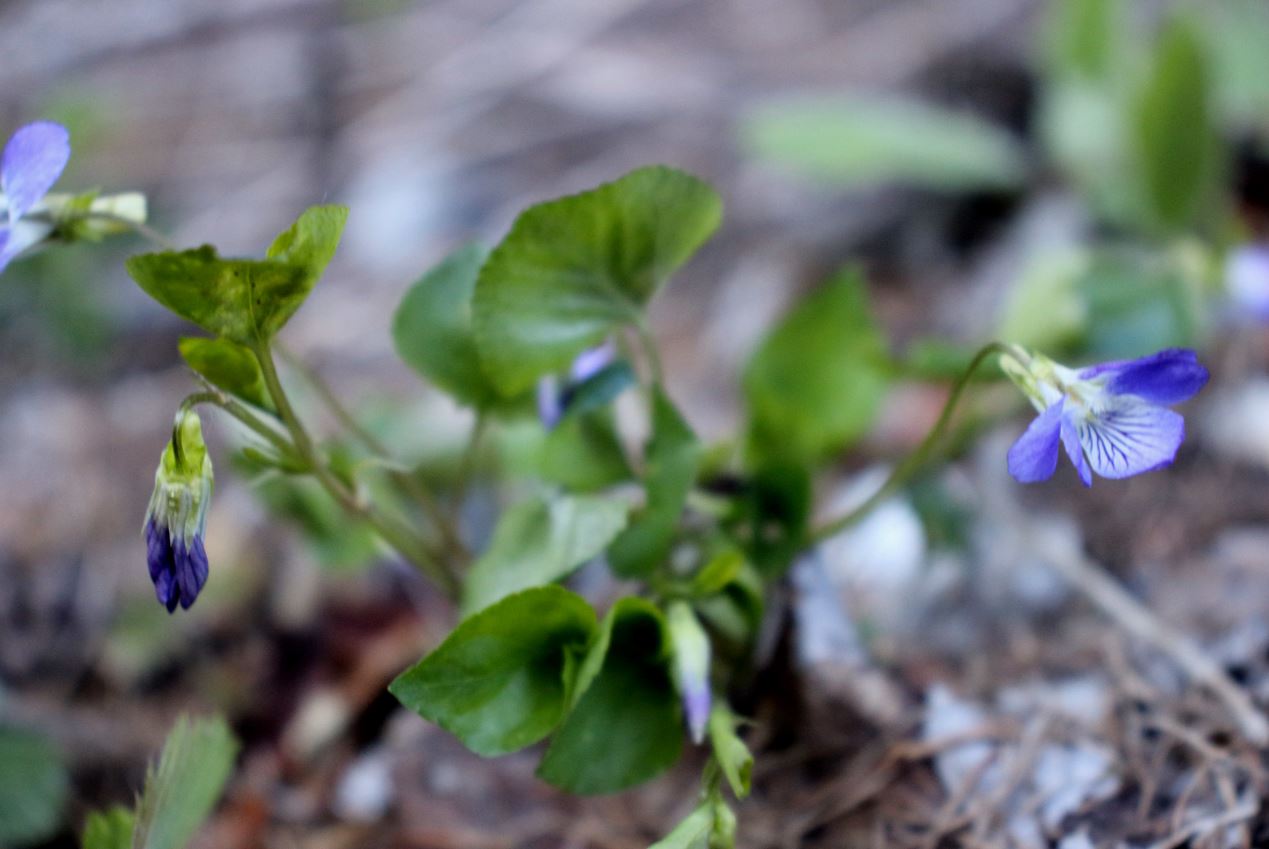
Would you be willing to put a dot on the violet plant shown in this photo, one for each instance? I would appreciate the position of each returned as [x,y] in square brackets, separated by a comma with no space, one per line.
[554,317]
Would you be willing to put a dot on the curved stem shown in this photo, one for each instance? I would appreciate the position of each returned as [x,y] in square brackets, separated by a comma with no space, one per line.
[915,461]
[394,532]
[242,413]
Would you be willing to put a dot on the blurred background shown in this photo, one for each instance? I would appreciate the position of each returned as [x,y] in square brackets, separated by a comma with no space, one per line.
[990,164]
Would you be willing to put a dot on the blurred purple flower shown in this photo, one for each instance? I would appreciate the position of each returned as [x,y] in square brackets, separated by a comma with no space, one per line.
[33,160]
[1112,418]
[1247,280]
[554,394]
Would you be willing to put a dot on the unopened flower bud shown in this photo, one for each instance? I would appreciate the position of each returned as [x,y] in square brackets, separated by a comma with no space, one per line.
[691,666]
[176,520]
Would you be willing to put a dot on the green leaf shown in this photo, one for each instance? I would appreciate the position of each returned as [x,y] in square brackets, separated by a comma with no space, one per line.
[774,510]
[1045,309]
[1082,36]
[626,722]
[692,832]
[229,366]
[857,141]
[539,541]
[572,270]
[310,242]
[33,785]
[730,751]
[673,457]
[817,381]
[583,453]
[498,681]
[1138,303]
[181,791]
[1174,133]
[433,333]
[1236,32]
[244,300]
[110,829]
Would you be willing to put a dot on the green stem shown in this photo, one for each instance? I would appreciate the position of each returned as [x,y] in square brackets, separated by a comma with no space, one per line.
[649,349]
[467,465]
[242,413]
[453,544]
[141,229]
[915,461]
[394,532]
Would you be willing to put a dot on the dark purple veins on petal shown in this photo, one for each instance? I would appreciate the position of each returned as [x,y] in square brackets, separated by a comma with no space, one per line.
[179,571]
[191,569]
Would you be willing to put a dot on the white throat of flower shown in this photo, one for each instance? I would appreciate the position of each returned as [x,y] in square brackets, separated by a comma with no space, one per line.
[1045,382]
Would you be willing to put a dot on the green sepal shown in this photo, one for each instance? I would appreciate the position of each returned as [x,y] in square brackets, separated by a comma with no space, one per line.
[498,682]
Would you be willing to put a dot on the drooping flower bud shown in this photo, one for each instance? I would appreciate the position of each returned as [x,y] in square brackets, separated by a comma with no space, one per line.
[176,520]
[691,666]
[556,392]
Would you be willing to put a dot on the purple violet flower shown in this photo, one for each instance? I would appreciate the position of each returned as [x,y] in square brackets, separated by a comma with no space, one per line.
[176,520]
[33,159]
[1111,418]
